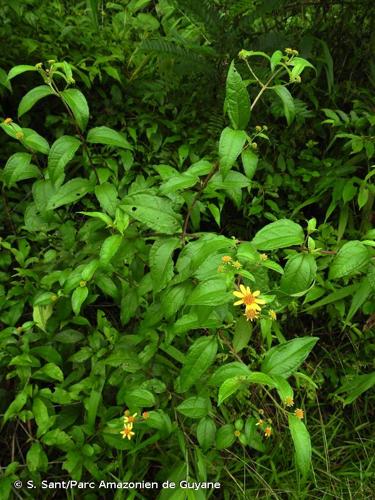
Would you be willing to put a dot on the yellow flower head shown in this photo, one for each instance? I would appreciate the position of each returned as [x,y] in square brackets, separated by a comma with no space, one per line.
[226,259]
[272,314]
[299,413]
[263,256]
[260,422]
[288,401]
[237,433]
[127,432]
[20,135]
[248,298]
[251,314]
[268,432]
[82,283]
[8,121]
[145,415]
[237,264]
[129,419]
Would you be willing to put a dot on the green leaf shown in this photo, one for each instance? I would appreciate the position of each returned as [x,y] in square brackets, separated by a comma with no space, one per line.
[231,385]
[61,153]
[249,162]
[361,295]
[195,407]
[206,431]
[106,194]
[279,234]
[161,263]
[78,298]
[335,296]
[237,99]
[242,334]
[15,406]
[78,105]
[109,248]
[287,100]
[153,211]
[18,70]
[356,386]
[41,416]
[350,259]
[4,80]
[36,459]
[285,358]
[229,370]
[41,315]
[230,147]
[299,64]
[19,168]
[209,293]
[299,273]
[70,192]
[34,141]
[48,372]
[199,358]
[107,136]
[302,444]
[32,97]
[225,437]
[283,388]
[139,398]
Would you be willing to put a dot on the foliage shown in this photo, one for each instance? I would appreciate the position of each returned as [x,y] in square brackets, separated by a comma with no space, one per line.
[184,201]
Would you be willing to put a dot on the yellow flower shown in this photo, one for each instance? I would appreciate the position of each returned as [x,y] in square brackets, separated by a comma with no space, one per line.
[251,314]
[127,432]
[263,256]
[268,432]
[8,121]
[248,298]
[289,401]
[129,419]
[237,264]
[19,135]
[145,415]
[260,422]
[272,314]
[226,259]
[299,413]
[237,433]
[82,283]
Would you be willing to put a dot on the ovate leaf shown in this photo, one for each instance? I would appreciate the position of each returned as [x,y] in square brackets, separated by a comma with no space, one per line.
[350,259]
[279,234]
[153,211]
[302,444]
[32,97]
[199,358]
[230,147]
[195,407]
[78,298]
[107,136]
[285,358]
[77,103]
[18,168]
[299,273]
[61,153]
[212,292]
[70,192]
[237,99]
[109,248]
[161,262]
[287,100]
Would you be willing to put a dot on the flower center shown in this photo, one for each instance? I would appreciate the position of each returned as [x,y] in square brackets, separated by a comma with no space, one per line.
[249,299]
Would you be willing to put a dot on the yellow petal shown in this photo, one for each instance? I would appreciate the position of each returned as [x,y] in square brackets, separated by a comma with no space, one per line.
[256,293]
[261,301]
[238,294]
[243,289]
[254,307]
[239,302]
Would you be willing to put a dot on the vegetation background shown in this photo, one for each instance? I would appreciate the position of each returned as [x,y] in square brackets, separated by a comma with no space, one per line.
[154,157]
